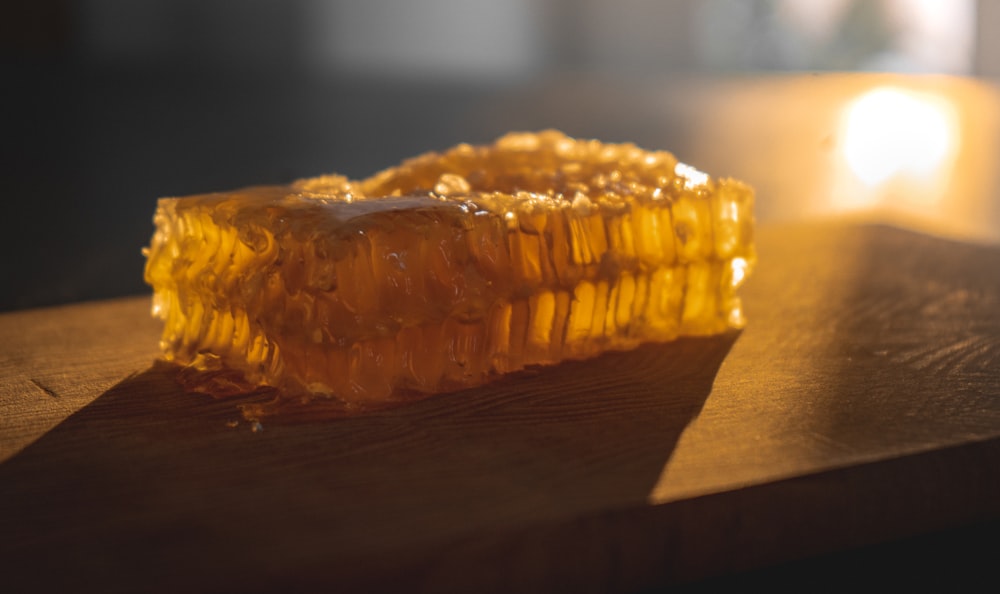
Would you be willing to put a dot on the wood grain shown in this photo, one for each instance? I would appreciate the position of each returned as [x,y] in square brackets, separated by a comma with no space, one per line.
[861,404]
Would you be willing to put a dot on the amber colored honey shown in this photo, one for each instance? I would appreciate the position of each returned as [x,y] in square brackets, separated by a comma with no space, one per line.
[446,271]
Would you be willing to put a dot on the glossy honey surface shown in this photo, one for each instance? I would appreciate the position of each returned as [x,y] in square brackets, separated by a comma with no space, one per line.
[448,270]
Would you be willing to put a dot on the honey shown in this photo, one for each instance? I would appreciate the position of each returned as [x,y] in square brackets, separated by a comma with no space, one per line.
[446,271]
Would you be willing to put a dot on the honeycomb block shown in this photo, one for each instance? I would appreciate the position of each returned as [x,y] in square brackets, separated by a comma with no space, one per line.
[446,271]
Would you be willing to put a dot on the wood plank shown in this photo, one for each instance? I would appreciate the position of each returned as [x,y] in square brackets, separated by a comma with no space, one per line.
[862,403]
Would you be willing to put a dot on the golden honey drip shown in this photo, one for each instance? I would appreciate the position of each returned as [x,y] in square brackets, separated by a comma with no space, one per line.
[446,271]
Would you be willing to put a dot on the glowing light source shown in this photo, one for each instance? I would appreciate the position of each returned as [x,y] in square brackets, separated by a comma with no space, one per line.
[889,132]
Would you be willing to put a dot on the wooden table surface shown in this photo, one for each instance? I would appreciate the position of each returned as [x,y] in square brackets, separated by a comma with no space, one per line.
[861,404]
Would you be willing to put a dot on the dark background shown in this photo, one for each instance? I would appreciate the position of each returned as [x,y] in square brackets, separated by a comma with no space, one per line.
[110,105]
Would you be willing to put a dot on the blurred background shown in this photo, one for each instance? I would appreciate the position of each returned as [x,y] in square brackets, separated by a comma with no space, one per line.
[112,104]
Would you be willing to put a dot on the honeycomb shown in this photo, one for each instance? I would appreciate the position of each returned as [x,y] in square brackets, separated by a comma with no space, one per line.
[446,271]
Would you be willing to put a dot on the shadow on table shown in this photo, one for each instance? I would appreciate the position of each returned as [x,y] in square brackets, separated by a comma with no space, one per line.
[151,488]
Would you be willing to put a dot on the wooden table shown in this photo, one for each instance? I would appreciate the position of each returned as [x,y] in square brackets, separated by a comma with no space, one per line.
[861,404]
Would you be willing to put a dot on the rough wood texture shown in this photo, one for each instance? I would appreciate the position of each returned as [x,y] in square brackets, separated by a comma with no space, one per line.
[862,403]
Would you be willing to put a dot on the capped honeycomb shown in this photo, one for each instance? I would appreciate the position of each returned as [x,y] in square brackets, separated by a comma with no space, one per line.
[445,271]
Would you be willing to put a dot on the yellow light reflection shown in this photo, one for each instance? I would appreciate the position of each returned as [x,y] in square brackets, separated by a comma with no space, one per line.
[889,131]
[900,145]
[914,151]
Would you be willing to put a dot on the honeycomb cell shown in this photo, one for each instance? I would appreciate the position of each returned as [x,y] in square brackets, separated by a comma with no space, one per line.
[445,271]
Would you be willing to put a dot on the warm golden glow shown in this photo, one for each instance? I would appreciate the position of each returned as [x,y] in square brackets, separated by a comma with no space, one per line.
[898,148]
[890,132]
